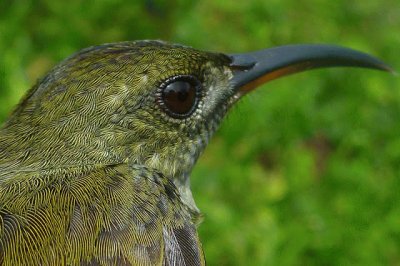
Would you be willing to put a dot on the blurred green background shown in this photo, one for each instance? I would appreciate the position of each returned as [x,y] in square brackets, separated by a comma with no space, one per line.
[305,171]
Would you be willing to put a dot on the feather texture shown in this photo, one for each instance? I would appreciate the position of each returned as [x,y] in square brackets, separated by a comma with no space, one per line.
[114,215]
[93,171]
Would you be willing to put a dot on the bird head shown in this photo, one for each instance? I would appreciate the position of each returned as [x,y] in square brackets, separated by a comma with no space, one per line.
[146,103]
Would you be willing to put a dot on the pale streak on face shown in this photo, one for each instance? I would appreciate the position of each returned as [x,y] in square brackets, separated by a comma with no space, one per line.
[217,92]
[144,79]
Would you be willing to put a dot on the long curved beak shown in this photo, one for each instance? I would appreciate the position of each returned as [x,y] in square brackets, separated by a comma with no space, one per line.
[255,68]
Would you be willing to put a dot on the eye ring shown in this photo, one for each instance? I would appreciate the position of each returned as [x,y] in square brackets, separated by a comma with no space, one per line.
[179,95]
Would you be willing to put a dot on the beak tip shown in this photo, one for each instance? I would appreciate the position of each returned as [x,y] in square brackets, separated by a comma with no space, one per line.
[391,70]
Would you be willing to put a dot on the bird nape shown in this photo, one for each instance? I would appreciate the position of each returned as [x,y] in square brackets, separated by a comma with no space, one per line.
[95,160]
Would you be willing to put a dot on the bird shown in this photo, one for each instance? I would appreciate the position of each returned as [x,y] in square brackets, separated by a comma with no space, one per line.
[95,160]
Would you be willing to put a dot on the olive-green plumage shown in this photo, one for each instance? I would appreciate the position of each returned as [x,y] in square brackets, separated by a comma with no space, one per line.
[95,160]
[92,171]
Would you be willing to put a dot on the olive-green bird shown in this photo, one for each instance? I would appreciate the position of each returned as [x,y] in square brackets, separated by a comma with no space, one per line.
[95,160]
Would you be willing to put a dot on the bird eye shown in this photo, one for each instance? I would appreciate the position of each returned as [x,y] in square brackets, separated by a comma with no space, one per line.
[180,96]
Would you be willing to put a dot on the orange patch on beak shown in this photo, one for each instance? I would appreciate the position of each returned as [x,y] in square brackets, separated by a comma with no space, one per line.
[274,75]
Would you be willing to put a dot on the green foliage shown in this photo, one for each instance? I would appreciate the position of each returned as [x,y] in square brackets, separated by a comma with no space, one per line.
[303,172]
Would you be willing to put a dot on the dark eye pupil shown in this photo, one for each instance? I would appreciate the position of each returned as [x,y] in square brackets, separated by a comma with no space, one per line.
[180,97]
